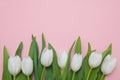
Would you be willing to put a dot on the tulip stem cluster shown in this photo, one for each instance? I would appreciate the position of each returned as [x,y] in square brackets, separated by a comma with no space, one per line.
[42,73]
[89,74]
[28,78]
[102,77]
[14,77]
[73,76]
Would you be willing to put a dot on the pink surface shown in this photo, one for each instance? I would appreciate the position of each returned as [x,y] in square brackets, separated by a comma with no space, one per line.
[62,21]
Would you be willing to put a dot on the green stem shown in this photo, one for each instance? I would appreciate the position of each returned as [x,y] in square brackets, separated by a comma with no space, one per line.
[89,74]
[73,76]
[14,77]
[102,77]
[42,73]
[28,78]
[61,71]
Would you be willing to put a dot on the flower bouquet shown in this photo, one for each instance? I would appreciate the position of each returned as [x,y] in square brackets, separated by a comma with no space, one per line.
[48,65]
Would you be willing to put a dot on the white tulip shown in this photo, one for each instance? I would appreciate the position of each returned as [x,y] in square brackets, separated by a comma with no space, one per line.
[62,59]
[47,57]
[76,62]
[108,64]
[95,59]
[14,65]
[27,66]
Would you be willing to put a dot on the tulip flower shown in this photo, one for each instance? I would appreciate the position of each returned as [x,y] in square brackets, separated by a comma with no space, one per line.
[27,66]
[46,59]
[95,60]
[76,62]
[14,65]
[108,65]
[62,59]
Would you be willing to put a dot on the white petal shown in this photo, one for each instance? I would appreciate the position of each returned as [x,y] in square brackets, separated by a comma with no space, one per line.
[27,66]
[95,59]
[76,62]
[62,59]
[108,64]
[14,65]
[47,58]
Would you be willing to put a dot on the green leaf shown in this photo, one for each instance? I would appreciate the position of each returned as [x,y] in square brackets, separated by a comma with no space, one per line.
[100,74]
[34,54]
[94,72]
[78,46]
[21,76]
[31,53]
[105,53]
[31,50]
[6,75]
[70,73]
[40,67]
[19,49]
[66,68]
[43,42]
[56,69]
[49,73]
[85,65]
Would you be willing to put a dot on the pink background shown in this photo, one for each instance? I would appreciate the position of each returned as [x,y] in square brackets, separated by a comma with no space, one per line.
[62,21]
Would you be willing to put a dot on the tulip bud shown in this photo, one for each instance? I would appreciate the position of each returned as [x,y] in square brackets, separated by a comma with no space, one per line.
[14,65]
[108,64]
[47,57]
[27,66]
[62,59]
[95,59]
[76,62]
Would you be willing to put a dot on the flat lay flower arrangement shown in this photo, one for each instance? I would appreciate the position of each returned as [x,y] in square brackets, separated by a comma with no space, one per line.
[48,65]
